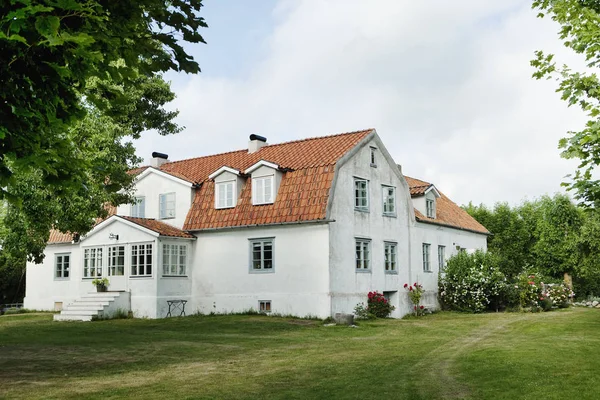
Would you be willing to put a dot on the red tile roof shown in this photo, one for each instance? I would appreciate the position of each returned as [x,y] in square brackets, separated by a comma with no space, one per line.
[159,227]
[447,213]
[60,237]
[303,193]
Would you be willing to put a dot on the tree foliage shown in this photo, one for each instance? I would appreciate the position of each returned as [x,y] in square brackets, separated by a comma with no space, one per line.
[78,81]
[579,22]
[550,235]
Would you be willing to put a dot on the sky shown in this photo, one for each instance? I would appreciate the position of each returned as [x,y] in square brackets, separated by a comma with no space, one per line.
[446,84]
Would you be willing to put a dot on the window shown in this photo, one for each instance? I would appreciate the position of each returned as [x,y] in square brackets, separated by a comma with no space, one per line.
[116,260]
[141,259]
[138,210]
[426,262]
[174,259]
[373,159]
[225,194]
[92,262]
[167,205]
[442,257]
[389,200]
[363,255]
[62,264]
[390,257]
[430,205]
[264,306]
[262,190]
[361,194]
[261,255]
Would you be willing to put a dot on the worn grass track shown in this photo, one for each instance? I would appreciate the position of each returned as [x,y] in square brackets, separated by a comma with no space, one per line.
[553,355]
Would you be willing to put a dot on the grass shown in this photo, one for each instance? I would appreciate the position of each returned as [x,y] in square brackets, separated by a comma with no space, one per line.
[553,355]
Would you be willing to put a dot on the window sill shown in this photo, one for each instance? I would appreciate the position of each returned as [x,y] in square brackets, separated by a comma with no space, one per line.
[141,276]
[224,208]
[174,276]
[363,271]
[391,272]
[428,272]
[262,271]
[62,279]
[166,218]
[262,204]
[373,165]
[362,210]
[389,215]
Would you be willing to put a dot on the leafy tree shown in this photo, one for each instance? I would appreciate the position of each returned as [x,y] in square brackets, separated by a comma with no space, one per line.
[558,229]
[79,79]
[580,29]
[510,239]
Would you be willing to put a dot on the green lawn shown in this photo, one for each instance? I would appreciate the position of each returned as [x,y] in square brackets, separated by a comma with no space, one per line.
[553,355]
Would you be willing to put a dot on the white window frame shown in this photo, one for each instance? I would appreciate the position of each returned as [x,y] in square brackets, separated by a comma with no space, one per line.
[135,266]
[174,259]
[442,257]
[386,204]
[261,267]
[426,257]
[362,255]
[62,268]
[138,210]
[115,269]
[95,256]
[224,186]
[259,195]
[264,306]
[430,208]
[167,205]
[361,203]
[390,257]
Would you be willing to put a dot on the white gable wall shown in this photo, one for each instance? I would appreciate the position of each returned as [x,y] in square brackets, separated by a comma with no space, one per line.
[151,186]
[348,285]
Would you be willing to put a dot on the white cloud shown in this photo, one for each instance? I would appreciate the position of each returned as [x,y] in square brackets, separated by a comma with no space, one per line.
[447,85]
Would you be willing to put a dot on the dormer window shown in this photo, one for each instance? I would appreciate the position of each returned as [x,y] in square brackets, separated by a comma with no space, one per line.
[266,178]
[430,207]
[262,190]
[225,194]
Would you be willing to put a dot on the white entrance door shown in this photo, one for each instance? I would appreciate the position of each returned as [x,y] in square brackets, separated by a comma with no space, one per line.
[116,268]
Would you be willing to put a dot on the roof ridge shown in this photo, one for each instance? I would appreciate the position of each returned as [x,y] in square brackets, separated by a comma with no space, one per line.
[273,145]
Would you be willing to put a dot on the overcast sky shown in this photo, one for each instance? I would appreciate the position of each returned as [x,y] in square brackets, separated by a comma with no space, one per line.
[447,85]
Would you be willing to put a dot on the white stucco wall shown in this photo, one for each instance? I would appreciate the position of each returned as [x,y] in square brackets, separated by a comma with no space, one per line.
[350,286]
[436,236]
[151,187]
[299,284]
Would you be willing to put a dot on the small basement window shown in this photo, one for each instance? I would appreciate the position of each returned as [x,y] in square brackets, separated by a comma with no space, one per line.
[264,306]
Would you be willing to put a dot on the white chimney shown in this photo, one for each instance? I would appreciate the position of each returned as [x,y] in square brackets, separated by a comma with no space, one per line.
[158,159]
[255,143]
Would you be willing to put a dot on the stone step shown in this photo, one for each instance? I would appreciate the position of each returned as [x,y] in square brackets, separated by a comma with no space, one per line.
[89,302]
[61,317]
[85,306]
[95,299]
[88,311]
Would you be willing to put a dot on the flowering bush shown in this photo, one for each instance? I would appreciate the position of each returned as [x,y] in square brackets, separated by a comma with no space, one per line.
[415,292]
[377,307]
[558,295]
[530,291]
[470,282]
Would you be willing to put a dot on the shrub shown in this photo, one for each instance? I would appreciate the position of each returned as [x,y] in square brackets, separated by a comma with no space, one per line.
[558,295]
[377,307]
[471,281]
[530,290]
[415,292]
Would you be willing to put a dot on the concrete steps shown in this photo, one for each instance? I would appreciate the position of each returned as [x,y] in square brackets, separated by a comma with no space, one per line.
[92,305]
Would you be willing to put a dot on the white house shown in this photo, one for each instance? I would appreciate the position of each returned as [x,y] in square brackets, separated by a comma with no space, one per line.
[307,228]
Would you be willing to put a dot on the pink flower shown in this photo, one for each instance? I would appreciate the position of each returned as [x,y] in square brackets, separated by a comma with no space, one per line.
[422,307]
[410,288]
[405,285]
[416,284]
